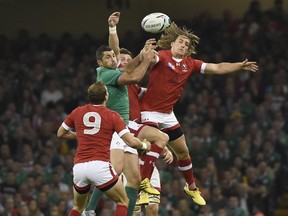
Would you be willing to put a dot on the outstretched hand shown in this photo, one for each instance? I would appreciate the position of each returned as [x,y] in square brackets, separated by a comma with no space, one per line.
[113,19]
[148,50]
[167,155]
[250,66]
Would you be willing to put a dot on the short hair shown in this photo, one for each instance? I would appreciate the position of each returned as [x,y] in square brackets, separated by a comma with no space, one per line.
[125,51]
[101,50]
[96,93]
[172,33]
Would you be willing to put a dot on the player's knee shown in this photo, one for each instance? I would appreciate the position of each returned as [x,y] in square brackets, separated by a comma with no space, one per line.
[79,207]
[123,200]
[134,181]
[164,139]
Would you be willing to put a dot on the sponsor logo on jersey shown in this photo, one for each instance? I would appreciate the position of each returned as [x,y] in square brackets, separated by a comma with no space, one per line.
[184,68]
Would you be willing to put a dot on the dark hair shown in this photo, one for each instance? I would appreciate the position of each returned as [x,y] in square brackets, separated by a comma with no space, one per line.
[125,51]
[96,93]
[100,50]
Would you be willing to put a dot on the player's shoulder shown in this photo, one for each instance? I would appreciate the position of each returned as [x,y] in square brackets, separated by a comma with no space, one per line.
[192,60]
[164,55]
[79,108]
[107,110]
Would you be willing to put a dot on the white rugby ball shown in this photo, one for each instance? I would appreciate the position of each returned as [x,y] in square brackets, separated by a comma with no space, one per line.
[155,22]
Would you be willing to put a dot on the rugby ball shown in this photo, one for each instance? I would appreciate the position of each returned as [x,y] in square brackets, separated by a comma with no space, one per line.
[155,22]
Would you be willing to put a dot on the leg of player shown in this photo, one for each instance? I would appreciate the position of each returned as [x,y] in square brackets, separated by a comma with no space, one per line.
[80,201]
[159,140]
[152,204]
[117,161]
[152,209]
[118,195]
[180,148]
[132,173]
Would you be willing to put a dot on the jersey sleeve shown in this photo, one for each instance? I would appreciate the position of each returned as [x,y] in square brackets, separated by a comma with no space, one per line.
[199,66]
[68,123]
[119,124]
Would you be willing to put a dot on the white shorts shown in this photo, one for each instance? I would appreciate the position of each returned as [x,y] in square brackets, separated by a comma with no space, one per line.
[135,127]
[118,143]
[99,173]
[161,120]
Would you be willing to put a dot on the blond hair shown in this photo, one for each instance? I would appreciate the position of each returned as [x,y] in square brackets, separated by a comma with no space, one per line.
[172,33]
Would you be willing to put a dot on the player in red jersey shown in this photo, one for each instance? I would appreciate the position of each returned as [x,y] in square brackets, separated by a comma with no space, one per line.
[167,78]
[94,124]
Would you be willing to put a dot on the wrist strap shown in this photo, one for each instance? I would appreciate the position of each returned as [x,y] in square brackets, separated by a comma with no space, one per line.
[112,30]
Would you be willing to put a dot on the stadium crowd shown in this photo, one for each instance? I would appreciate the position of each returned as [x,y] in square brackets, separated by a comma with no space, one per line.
[235,125]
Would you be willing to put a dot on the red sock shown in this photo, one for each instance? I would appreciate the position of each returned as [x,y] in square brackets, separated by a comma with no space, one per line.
[149,161]
[121,210]
[185,166]
[73,212]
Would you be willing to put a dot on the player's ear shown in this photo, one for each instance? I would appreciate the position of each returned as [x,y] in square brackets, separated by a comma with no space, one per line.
[172,43]
[99,62]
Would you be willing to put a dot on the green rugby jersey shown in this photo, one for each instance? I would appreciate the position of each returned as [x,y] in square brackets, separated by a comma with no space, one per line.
[118,95]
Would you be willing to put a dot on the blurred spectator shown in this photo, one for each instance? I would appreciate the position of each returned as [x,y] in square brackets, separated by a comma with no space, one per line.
[51,94]
[34,210]
[233,207]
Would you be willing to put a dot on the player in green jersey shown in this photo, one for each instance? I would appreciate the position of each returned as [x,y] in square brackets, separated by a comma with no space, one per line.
[116,80]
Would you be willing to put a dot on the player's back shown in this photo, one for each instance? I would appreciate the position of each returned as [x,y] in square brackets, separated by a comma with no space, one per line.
[94,126]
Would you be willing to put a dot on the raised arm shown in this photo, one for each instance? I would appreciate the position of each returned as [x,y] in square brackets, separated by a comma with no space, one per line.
[226,67]
[135,70]
[113,36]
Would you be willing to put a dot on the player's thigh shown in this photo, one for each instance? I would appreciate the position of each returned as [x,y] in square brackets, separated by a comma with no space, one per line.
[80,200]
[152,209]
[117,160]
[117,193]
[132,170]
[153,134]
[179,147]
